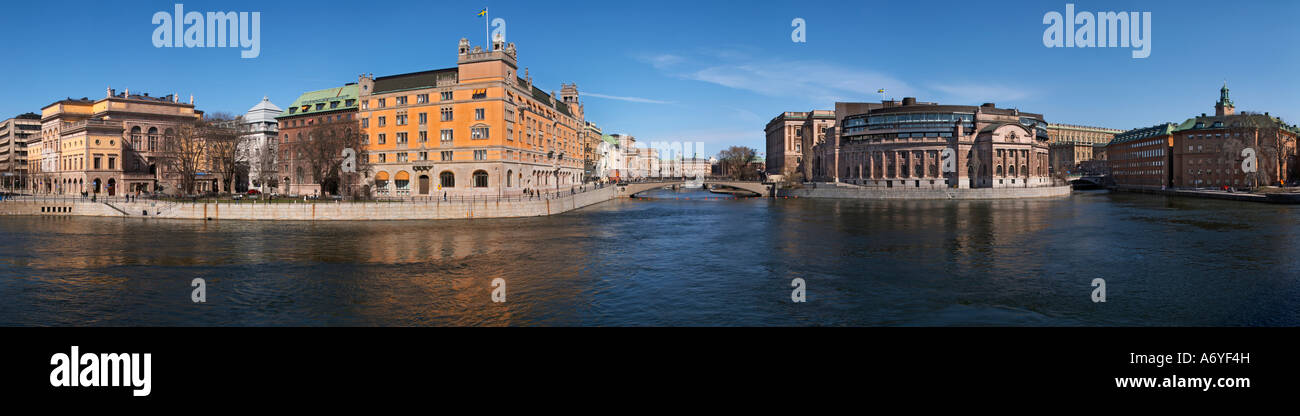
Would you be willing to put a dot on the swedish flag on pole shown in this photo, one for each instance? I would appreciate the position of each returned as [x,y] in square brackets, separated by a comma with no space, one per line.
[486,30]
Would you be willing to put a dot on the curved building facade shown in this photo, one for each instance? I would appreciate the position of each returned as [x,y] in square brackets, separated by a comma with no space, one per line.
[905,145]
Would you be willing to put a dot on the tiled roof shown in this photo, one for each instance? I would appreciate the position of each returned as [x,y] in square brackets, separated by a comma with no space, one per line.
[324,101]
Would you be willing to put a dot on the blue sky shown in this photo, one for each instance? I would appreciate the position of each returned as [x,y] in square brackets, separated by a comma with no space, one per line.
[710,71]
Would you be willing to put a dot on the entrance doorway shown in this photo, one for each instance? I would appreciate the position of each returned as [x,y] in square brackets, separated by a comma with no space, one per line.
[424,184]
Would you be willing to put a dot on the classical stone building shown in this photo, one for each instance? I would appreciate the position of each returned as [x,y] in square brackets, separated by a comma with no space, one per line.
[1070,145]
[478,129]
[1207,151]
[790,140]
[311,109]
[113,145]
[15,133]
[902,144]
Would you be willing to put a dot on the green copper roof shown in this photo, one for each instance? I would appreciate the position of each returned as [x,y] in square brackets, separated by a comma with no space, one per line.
[610,139]
[324,101]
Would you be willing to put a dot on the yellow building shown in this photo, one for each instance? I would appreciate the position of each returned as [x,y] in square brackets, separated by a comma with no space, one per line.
[479,129]
[107,146]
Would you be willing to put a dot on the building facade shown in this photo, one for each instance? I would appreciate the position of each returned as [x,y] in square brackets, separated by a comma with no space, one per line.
[1140,158]
[15,134]
[790,137]
[477,129]
[293,165]
[257,147]
[902,144]
[112,145]
[1070,145]
[1209,151]
[591,140]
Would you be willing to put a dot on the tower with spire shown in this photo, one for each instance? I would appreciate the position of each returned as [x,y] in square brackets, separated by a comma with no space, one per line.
[1224,107]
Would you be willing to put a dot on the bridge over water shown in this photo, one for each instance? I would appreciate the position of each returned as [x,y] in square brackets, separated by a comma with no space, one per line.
[630,189]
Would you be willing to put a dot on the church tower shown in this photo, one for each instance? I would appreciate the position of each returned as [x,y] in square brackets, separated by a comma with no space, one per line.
[1224,107]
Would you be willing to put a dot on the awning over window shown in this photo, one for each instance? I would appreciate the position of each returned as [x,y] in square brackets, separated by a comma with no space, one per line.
[403,176]
[381,176]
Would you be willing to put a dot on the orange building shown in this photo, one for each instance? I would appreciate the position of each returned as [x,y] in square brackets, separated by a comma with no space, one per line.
[478,129]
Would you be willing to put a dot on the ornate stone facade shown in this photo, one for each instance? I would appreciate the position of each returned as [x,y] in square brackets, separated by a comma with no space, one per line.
[903,144]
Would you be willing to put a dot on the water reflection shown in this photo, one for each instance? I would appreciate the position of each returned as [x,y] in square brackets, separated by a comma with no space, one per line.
[1167,261]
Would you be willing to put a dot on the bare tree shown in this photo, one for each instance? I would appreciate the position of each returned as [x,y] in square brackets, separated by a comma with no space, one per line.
[263,165]
[323,154]
[183,156]
[735,160]
[221,139]
[1273,148]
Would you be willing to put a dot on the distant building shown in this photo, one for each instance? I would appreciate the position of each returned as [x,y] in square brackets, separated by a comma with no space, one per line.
[591,138]
[900,144]
[1208,150]
[15,133]
[257,149]
[790,138]
[1139,158]
[1070,145]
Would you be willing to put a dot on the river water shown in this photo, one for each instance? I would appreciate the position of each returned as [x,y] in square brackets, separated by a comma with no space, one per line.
[679,258]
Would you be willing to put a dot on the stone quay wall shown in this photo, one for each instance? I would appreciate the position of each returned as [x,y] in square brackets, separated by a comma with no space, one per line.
[832,191]
[319,211]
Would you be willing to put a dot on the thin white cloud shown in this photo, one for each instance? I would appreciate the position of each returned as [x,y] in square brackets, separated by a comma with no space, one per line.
[628,99]
[812,80]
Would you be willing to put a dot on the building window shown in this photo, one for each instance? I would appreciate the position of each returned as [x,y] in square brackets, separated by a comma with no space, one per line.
[448,179]
[480,179]
[401,100]
[383,121]
[401,137]
[479,132]
[383,158]
[446,114]
[446,155]
[365,123]
[480,114]
[424,118]
[383,138]
[422,98]
[424,136]
[445,135]
[480,155]
[445,96]
[383,102]
[401,119]
[402,157]
[424,155]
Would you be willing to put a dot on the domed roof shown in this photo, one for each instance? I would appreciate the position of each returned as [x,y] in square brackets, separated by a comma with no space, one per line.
[264,111]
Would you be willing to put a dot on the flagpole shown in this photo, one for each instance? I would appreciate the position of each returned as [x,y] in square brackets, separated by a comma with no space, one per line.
[487,32]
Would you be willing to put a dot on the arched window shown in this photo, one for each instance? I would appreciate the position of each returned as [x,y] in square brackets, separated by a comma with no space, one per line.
[480,179]
[1012,170]
[509,173]
[135,137]
[153,138]
[998,170]
[1024,170]
[447,179]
